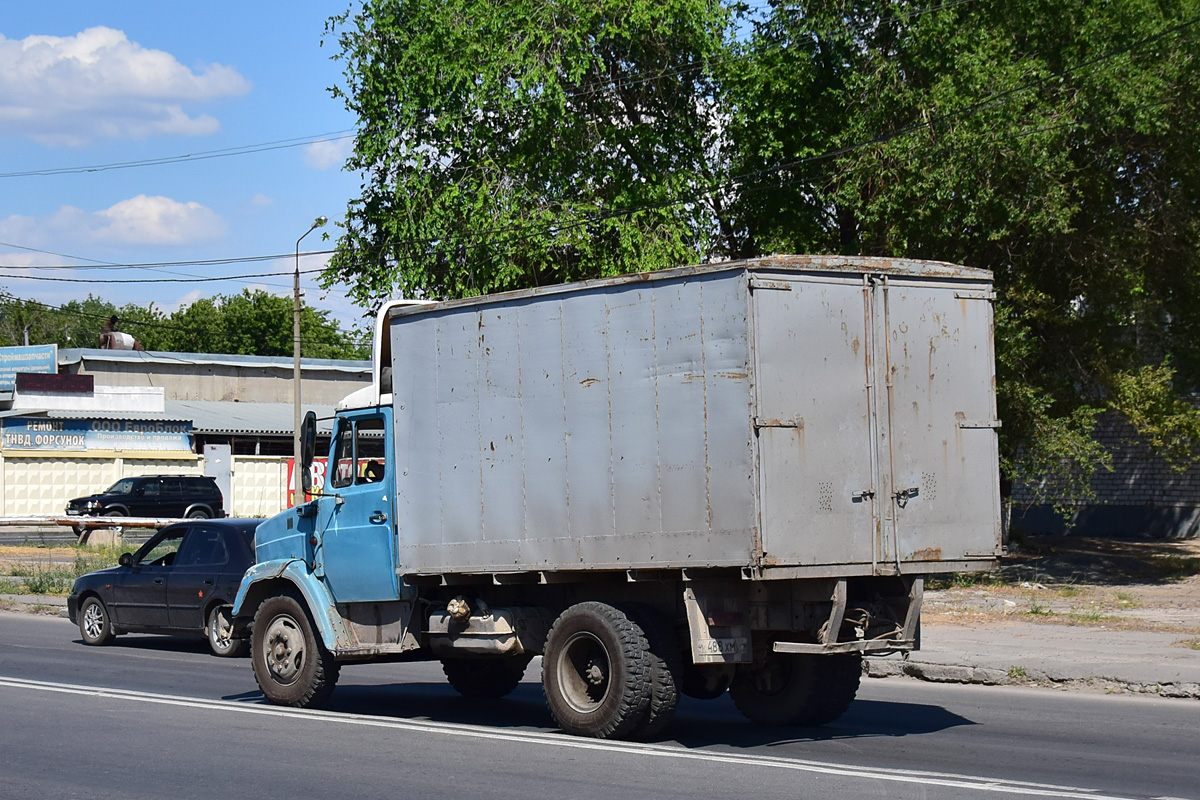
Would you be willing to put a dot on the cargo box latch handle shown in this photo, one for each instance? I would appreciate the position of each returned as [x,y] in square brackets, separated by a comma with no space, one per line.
[904,495]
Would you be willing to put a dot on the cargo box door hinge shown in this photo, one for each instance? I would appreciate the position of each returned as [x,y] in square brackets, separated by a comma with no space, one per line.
[775,422]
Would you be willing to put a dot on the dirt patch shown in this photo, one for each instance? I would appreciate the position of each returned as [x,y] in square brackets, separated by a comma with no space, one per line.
[1067,580]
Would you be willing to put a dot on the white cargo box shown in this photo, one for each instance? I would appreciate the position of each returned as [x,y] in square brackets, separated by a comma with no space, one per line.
[790,416]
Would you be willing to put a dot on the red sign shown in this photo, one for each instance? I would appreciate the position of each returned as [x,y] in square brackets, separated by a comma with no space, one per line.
[316,474]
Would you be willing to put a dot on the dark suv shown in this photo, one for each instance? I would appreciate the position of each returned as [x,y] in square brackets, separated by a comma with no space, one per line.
[193,496]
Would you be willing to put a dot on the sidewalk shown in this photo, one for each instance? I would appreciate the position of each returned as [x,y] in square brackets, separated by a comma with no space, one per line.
[1028,653]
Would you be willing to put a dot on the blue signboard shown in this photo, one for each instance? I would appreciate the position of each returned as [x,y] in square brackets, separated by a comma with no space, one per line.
[36,358]
[34,433]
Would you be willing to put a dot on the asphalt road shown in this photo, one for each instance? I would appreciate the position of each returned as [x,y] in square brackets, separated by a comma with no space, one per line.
[157,717]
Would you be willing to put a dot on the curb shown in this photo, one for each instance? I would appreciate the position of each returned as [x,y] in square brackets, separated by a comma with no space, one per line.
[1014,676]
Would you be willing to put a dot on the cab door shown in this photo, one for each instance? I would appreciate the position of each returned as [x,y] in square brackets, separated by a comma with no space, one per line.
[357,549]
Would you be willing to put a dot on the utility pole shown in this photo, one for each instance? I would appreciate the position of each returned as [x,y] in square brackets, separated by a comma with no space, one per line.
[297,483]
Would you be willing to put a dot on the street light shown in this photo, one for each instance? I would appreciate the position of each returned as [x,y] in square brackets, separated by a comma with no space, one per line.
[297,484]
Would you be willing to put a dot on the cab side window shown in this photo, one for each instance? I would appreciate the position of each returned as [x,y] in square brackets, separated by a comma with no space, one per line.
[358,457]
[370,451]
[343,456]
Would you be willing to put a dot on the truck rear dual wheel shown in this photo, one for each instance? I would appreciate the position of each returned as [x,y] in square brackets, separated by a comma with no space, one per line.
[291,665]
[796,688]
[597,672]
[666,671]
[485,678]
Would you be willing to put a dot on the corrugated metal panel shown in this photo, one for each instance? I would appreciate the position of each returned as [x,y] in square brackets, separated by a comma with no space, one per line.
[216,417]
[284,363]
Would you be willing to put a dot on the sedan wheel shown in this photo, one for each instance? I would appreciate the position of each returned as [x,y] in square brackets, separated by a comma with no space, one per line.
[94,624]
[220,634]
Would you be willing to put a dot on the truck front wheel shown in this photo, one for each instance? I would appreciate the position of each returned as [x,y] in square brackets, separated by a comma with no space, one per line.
[291,665]
[597,672]
[485,678]
[796,688]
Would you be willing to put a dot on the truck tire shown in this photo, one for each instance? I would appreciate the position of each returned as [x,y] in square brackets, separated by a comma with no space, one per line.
[666,669]
[485,678]
[596,672]
[291,665]
[796,688]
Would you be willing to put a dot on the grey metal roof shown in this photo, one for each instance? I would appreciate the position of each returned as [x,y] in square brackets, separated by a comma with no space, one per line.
[224,417]
[71,413]
[206,416]
[77,354]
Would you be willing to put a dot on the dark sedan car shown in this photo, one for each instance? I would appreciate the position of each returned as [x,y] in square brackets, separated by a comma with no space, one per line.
[183,582]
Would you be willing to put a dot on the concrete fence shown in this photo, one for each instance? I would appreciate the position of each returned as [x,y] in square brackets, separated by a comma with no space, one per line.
[41,485]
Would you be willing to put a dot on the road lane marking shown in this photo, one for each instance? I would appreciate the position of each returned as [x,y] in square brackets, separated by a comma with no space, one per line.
[946,779]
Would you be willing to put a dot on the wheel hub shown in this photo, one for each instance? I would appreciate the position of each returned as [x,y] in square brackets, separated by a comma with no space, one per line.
[594,674]
[584,672]
[285,649]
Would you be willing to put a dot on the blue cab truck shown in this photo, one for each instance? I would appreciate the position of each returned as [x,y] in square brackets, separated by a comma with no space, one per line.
[731,477]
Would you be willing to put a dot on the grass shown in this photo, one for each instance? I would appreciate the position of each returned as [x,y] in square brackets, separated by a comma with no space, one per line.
[1128,600]
[1088,615]
[962,580]
[1176,567]
[44,576]
[1017,672]
[1069,590]
[1039,609]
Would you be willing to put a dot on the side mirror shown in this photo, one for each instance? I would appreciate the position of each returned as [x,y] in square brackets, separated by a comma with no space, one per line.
[126,560]
[308,447]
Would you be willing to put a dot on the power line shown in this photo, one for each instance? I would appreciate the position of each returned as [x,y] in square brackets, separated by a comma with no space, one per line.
[209,279]
[157,264]
[281,144]
[349,133]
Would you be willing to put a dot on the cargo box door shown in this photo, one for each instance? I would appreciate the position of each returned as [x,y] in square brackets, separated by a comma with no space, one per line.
[938,464]
[813,420]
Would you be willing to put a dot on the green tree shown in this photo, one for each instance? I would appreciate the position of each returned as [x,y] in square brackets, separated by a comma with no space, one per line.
[1054,144]
[249,323]
[504,144]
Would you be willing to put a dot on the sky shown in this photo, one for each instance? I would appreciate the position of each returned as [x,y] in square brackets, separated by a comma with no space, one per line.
[98,84]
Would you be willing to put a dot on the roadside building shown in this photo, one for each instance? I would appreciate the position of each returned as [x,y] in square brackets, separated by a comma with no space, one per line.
[109,414]
[1143,496]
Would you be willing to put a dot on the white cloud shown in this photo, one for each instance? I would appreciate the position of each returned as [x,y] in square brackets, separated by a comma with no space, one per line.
[184,301]
[158,220]
[261,200]
[98,84]
[328,153]
[138,220]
